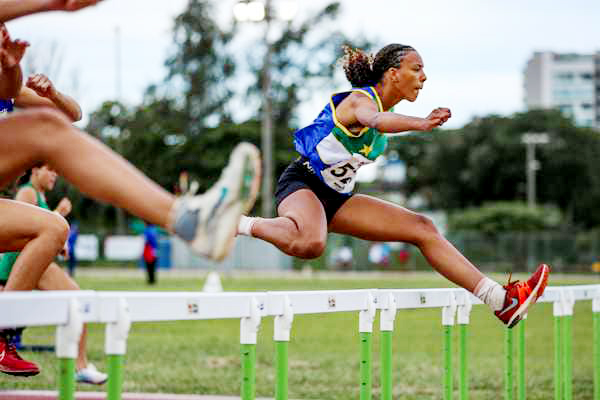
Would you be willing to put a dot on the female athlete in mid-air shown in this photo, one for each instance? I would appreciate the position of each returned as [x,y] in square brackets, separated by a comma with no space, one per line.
[314,194]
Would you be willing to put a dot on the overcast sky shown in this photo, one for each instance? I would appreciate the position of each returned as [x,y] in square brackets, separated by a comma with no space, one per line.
[474,50]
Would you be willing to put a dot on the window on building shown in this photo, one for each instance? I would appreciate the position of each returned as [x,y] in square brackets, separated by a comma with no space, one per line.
[563,76]
[566,109]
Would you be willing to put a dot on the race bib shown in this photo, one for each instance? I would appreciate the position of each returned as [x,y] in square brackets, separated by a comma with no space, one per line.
[342,176]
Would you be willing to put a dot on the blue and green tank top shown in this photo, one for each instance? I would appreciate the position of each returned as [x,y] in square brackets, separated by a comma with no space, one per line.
[8,259]
[6,106]
[334,153]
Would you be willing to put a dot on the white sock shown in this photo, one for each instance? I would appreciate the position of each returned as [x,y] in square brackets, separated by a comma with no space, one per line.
[245,225]
[491,293]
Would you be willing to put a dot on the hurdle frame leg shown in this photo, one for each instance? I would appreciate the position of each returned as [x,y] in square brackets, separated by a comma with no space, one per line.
[281,336]
[115,347]
[248,336]
[67,347]
[563,337]
[521,381]
[448,318]
[508,365]
[386,327]
[558,346]
[365,329]
[248,354]
[463,318]
[596,329]
[366,357]
[66,380]
[568,357]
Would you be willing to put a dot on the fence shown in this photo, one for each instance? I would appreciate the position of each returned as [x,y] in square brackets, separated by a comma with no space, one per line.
[573,251]
[69,310]
[523,251]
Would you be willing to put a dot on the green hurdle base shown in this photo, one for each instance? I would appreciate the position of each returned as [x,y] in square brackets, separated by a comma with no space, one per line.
[66,379]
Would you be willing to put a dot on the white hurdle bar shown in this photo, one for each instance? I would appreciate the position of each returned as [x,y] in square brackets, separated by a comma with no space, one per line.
[68,310]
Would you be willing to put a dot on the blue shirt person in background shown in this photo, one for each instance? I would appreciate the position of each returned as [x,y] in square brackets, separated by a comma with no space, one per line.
[149,255]
[72,242]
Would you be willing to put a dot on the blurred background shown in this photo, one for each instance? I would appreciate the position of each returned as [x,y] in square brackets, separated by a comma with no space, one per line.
[512,179]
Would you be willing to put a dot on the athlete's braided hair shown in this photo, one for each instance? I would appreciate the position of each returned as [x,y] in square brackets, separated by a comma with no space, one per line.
[363,69]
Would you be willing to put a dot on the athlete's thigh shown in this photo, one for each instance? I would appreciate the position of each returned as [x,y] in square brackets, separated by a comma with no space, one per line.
[306,210]
[18,150]
[55,278]
[370,218]
[20,222]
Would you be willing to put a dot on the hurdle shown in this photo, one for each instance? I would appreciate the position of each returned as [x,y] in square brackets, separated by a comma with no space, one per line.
[118,310]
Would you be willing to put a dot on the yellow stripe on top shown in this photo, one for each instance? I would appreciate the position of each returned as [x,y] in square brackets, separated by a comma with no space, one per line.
[366,128]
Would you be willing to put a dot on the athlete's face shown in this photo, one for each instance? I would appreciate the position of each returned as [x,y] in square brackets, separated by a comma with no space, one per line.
[46,177]
[409,78]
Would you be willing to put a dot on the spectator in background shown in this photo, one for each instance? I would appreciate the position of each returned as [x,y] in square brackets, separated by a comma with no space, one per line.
[36,183]
[72,242]
[344,257]
[376,254]
[150,252]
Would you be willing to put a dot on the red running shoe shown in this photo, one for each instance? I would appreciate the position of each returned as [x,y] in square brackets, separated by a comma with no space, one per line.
[11,362]
[522,295]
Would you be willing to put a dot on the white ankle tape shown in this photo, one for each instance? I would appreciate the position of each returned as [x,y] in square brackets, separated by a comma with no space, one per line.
[245,225]
[491,293]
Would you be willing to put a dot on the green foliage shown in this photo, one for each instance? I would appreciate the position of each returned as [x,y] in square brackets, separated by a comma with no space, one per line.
[200,65]
[493,218]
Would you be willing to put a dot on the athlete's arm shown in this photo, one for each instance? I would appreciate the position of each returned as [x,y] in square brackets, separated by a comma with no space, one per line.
[367,114]
[11,9]
[40,92]
[64,207]
[11,53]
[27,195]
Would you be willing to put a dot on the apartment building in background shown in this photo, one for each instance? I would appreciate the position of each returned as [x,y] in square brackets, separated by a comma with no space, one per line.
[567,81]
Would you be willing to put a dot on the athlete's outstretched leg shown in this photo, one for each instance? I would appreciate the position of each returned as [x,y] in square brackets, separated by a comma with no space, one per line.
[38,136]
[373,219]
[370,218]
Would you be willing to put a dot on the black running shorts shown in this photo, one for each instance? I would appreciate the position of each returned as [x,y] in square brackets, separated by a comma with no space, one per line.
[299,175]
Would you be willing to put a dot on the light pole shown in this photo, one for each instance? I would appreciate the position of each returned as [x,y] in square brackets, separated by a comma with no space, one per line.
[257,11]
[266,136]
[120,213]
[531,139]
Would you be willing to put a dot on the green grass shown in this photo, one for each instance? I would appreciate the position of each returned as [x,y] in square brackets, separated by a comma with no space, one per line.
[202,357]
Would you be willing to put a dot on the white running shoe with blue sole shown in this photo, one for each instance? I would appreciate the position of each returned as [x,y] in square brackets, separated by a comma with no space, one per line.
[91,375]
[208,222]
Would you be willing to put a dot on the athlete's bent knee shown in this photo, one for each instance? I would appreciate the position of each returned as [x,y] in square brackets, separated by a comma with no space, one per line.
[425,228]
[309,249]
[57,230]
